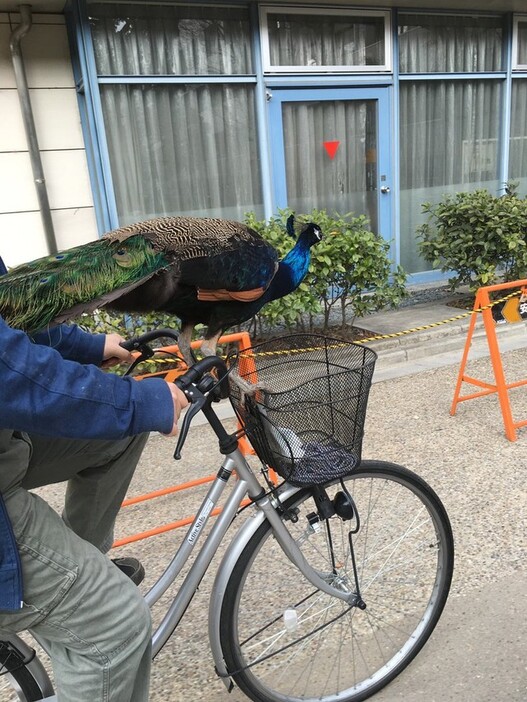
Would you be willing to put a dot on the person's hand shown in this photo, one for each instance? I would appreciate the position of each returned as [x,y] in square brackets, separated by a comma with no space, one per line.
[114,353]
[180,402]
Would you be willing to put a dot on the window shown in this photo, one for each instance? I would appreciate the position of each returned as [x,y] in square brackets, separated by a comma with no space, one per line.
[519,43]
[449,132]
[450,43]
[296,39]
[182,149]
[518,140]
[177,146]
[170,40]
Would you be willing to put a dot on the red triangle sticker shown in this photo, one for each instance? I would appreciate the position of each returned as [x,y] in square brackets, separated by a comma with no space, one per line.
[331,148]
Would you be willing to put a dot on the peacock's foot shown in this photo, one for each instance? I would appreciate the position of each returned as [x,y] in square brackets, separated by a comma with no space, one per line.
[209,344]
[184,341]
[208,347]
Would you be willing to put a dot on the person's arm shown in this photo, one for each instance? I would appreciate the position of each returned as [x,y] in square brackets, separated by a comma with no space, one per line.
[44,393]
[73,343]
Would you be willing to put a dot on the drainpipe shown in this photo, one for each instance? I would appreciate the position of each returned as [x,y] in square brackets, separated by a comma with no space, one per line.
[29,125]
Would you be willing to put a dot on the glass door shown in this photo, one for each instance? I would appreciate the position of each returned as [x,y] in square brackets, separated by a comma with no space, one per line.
[331,150]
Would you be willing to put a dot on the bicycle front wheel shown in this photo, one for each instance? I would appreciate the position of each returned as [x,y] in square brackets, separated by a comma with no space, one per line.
[22,676]
[284,641]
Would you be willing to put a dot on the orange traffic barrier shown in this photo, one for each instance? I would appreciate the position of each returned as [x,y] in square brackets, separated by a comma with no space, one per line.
[244,342]
[483,304]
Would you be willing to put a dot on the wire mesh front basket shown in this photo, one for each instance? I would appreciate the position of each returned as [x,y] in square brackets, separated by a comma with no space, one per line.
[303,409]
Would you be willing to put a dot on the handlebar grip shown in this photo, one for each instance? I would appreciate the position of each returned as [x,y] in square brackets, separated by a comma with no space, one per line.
[198,370]
[129,344]
[137,342]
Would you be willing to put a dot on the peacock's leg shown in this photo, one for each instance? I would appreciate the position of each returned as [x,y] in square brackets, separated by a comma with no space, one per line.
[208,347]
[185,337]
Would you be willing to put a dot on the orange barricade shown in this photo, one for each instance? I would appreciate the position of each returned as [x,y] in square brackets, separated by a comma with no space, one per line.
[244,342]
[483,304]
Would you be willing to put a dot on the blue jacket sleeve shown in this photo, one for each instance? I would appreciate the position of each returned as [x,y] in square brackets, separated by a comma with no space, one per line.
[44,393]
[73,343]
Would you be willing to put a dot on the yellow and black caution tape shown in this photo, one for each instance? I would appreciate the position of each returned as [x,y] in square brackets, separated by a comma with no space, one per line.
[457,317]
[377,337]
[393,335]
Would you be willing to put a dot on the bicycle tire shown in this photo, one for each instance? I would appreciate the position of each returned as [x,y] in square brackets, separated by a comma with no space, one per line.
[333,652]
[25,674]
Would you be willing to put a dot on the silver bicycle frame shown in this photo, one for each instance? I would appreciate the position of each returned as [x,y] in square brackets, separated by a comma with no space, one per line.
[247,484]
[264,509]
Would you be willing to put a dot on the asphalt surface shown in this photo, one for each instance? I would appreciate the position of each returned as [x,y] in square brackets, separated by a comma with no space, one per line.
[477,652]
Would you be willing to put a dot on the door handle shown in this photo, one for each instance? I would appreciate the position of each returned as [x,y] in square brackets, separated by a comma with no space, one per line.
[385,189]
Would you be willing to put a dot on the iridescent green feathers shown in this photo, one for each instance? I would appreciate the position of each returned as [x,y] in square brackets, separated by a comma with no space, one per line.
[55,288]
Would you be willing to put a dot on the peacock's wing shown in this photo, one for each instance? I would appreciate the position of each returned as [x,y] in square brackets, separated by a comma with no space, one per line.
[211,252]
[243,269]
[56,288]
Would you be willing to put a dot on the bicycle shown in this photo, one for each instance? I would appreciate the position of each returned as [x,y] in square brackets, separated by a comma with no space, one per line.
[339,576]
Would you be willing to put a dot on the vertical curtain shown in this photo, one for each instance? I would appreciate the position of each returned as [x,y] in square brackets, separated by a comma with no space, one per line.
[182,149]
[521,58]
[449,129]
[178,148]
[518,141]
[154,39]
[449,43]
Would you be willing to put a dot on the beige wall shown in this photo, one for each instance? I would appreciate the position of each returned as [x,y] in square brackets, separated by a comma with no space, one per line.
[53,98]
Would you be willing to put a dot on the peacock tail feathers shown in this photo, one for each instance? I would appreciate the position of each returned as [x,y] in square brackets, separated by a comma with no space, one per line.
[55,288]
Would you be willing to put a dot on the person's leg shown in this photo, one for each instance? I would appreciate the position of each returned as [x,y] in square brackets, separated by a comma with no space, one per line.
[98,475]
[88,615]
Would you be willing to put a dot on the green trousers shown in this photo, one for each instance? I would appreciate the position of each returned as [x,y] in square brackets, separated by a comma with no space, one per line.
[84,611]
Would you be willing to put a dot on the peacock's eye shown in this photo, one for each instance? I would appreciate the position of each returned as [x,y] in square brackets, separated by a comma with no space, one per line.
[43,280]
[59,257]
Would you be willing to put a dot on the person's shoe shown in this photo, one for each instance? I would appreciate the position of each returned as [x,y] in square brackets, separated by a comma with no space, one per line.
[131,567]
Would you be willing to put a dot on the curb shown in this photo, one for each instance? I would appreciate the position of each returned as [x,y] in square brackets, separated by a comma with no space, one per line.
[448,339]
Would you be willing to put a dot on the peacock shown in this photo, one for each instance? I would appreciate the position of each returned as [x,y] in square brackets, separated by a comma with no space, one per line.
[209,271]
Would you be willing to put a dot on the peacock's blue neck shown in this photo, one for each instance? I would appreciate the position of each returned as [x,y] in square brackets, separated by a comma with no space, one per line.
[291,272]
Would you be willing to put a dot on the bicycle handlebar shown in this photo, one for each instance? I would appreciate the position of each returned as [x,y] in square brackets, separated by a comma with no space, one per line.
[198,385]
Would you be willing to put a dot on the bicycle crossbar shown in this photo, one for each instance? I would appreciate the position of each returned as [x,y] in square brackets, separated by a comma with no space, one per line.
[483,305]
[168,527]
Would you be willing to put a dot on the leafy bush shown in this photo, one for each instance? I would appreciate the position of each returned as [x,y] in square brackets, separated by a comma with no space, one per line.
[127,325]
[477,236]
[350,271]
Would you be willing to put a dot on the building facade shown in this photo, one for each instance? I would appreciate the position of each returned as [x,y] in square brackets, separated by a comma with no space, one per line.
[151,109]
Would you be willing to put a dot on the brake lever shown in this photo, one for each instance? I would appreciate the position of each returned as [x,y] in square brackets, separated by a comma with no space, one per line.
[197,400]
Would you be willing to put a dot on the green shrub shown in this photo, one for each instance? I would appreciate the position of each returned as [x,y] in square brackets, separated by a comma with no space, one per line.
[477,236]
[352,269]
